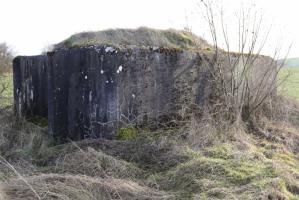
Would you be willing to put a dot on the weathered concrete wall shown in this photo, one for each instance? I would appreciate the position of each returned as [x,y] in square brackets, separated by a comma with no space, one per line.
[92,91]
[30,85]
[107,88]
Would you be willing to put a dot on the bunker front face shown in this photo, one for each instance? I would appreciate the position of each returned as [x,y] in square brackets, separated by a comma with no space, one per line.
[91,91]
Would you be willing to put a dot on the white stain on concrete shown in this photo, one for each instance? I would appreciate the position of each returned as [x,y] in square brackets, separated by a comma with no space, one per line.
[155,48]
[120,68]
[109,49]
[90,96]
[31,94]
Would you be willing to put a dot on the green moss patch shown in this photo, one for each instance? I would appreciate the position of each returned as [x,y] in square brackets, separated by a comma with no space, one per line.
[127,133]
[220,166]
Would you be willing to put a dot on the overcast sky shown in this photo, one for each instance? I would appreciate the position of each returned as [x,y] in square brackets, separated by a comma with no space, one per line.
[30,25]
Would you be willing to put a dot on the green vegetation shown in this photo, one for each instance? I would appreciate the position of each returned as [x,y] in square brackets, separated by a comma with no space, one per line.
[7,94]
[290,82]
[220,168]
[126,133]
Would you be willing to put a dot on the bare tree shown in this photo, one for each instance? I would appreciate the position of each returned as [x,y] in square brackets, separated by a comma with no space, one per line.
[6,57]
[245,80]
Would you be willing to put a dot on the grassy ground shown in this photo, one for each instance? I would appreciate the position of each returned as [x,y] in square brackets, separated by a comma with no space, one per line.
[290,85]
[161,164]
[188,162]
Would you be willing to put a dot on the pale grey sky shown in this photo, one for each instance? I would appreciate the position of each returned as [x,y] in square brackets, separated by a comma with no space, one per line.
[30,25]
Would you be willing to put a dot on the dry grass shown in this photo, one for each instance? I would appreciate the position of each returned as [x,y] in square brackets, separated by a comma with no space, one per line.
[201,160]
[95,164]
[63,186]
[2,195]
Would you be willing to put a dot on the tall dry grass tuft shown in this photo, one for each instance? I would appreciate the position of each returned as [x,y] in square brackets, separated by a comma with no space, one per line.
[68,187]
[207,129]
[81,174]
[2,194]
[12,168]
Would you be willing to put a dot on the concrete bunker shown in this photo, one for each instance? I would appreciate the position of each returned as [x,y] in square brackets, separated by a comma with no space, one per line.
[91,91]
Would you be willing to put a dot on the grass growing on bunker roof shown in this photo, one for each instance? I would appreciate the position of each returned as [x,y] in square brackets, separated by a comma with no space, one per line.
[140,37]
